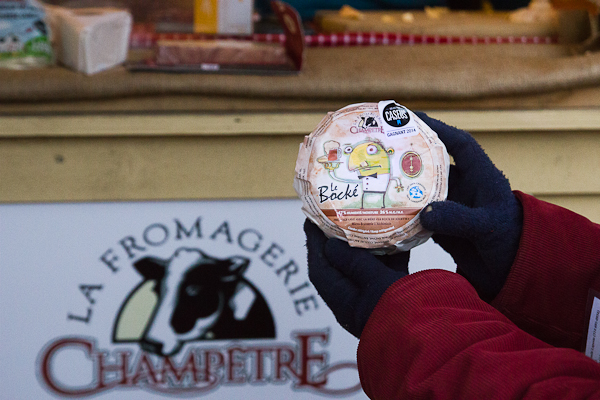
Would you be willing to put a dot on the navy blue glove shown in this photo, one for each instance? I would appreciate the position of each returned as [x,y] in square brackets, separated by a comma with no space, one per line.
[350,280]
[480,223]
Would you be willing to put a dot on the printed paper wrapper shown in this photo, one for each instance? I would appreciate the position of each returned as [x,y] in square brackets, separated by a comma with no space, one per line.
[366,172]
[25,37]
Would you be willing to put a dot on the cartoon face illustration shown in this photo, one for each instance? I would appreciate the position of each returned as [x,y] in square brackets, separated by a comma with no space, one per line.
[368,158]
[371,161]
[192,296]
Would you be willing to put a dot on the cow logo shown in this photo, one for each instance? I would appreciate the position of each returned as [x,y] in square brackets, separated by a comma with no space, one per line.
[395,115]
[367,123]
[187,321]
[190,297]
[416,192]
[411,164]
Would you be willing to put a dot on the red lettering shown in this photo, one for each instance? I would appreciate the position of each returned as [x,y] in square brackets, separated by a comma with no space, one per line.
[258,362]
[284,358]
[213,360]
[144,371]
[235,368]
[308,358]
[103,368]
[46,370]
[178,373]
[200,370]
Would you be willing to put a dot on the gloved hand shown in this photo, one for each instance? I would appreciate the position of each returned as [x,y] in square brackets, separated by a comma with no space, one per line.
[480,223]
[350,280]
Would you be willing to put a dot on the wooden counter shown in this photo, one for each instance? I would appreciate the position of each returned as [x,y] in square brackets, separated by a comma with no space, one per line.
[85,156]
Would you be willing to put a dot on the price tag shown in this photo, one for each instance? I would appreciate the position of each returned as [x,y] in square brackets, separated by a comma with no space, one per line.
[592,345]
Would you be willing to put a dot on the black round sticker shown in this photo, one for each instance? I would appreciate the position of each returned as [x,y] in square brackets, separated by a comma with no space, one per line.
[395,115]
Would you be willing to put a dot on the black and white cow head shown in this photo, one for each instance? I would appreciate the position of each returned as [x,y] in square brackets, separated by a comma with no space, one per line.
[200,297]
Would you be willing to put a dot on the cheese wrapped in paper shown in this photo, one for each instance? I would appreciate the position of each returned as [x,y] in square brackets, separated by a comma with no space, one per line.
[366,172]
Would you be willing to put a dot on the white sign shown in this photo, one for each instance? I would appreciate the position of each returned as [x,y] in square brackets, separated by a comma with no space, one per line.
[156,300]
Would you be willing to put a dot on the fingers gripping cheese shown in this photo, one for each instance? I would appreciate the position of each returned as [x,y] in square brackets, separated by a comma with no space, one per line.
[366,172]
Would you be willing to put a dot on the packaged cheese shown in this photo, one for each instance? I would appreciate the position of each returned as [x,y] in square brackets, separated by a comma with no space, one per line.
[90,40]
[366,172]
[24,35]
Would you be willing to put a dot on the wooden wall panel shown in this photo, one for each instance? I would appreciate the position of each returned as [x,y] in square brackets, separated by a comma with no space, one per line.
[121,163]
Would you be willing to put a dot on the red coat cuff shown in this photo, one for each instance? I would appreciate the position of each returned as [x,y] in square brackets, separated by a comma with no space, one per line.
[558,261]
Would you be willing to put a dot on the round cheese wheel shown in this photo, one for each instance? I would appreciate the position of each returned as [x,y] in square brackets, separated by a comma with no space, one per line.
[366,172]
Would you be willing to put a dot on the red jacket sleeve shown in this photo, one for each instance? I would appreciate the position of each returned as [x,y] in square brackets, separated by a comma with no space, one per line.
[430,336]
[557,263]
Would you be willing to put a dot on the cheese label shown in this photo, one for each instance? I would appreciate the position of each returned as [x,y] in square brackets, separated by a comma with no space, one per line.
[367,170]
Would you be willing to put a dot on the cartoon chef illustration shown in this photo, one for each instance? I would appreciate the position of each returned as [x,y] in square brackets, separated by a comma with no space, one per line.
[371,162]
